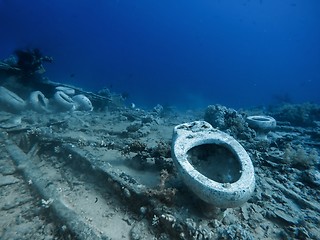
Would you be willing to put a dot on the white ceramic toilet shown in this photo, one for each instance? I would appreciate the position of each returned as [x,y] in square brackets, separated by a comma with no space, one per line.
[212,164]
[63,102]
[262,125]
[11,102]
[38,102]
[82,103]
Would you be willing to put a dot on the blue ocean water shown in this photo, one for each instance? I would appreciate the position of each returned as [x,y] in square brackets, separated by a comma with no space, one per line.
[238,53]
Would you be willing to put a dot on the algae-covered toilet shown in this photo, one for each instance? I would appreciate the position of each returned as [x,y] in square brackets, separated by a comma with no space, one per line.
[212,164]
[262,125]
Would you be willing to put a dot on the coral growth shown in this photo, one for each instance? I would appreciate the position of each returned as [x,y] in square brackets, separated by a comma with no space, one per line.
[163,149]
[297,114]
[300,157]
[137,146]
[30,61]
[162,156]
[163,193]
[228,120]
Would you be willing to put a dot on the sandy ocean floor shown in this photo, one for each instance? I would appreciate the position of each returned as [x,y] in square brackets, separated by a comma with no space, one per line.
[109,175]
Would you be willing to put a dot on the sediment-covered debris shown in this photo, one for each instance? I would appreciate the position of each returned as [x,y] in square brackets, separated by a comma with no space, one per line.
[111,176]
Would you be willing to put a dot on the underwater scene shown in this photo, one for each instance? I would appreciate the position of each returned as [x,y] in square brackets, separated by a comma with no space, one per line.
[160,120]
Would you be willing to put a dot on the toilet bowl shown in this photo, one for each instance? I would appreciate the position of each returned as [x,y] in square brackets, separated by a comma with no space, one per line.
[63,102]
[262,125]
[82,103]
[212,164]
[11,102]
[67,90]
[38,102]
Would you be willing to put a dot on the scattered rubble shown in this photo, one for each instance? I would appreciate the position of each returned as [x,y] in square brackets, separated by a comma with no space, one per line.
[118,185]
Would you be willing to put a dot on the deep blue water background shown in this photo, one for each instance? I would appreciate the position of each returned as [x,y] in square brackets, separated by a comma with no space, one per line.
[187,53]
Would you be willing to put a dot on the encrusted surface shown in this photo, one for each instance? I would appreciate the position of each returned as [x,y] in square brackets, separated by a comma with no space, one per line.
[113,170]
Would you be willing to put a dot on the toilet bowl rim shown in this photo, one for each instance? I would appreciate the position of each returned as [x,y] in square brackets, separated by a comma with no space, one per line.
[36,104]
[10,101]
[34,96]
[221,139]
[267,124]
[267,118]
[8,95]
[63,100]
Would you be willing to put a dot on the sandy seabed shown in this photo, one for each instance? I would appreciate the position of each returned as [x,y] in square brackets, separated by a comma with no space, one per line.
[109,175]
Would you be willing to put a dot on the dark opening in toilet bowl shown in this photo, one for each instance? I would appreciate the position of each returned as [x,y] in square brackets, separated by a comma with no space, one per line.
[216,162]
[262,119]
